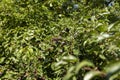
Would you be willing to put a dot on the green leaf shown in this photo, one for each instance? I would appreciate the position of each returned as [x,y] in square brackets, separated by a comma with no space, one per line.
[70,58]
[91,74]
[2,59]
[58,65]
[113,25]
[68,76]
[103,36]
[82,64]
[70,73]
[112,69]
[115,77]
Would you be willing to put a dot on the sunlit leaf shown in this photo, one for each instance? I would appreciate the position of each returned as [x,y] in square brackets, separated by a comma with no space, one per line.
[91,75]
[103,36]
[112,69]
[51,39]
[2,59]
[82,64]
[70,58]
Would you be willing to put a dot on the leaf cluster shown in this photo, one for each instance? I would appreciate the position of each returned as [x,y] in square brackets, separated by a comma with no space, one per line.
[59,40]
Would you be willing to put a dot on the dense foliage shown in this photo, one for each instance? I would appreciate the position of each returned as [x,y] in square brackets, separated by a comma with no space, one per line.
[59,39]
